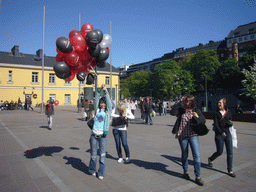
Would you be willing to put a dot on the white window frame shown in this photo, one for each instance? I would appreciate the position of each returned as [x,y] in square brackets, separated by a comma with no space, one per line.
[34,77]
[67,99]
[107,81]
[51,78]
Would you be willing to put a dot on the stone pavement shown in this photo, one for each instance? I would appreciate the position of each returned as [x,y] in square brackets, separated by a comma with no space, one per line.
[58,159]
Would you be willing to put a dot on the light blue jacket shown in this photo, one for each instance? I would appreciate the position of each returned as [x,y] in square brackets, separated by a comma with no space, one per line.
[108,109]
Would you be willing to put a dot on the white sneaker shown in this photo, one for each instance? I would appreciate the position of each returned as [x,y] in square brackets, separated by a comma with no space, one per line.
[94,174]
[100,177]
[120,160]
[127,160]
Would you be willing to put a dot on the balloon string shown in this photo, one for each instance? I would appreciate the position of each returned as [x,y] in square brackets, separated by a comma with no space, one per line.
[96,74]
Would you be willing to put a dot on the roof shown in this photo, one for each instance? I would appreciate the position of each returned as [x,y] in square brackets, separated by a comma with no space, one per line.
[18,58]
[243,30]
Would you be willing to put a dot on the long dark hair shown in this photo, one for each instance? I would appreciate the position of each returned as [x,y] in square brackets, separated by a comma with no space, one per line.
[225,103]
[189,102]
[102,100]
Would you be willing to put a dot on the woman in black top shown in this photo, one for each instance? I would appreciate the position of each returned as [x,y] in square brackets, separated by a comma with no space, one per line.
[222,122]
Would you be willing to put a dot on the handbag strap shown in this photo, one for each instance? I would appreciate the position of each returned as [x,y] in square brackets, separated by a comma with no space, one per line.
[223,116]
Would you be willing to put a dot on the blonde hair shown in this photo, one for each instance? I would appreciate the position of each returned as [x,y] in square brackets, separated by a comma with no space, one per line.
[122,106]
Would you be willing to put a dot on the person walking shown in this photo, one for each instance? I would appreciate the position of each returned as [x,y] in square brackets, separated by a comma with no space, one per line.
[86,109]
[222,122]
[103,108]
[164,107]
[187,115]
[141,109]
[160,107]
[147,109]
[49,112]
[120,115]
[29,104]
[132,107]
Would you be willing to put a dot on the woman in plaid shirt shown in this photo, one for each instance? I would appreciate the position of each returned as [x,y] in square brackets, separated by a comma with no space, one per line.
[188,115]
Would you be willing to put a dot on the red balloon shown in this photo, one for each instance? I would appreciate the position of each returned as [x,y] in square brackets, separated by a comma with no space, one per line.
[107,48]
[86,28]
[59,58]
[72,59]
[56,102]
[78,42]
[72,76]
[73,33]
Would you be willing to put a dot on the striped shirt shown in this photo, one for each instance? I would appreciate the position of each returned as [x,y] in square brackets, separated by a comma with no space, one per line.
[185,129]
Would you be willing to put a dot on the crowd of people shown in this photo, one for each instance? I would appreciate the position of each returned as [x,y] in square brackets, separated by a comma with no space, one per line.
[6,105]
[188,115]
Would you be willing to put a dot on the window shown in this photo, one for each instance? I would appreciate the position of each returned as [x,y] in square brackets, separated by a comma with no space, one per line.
[67,82]
[67,99]
[240,39]
[10,76]
[34,77]
[252,36]
[234,40]
[52,97]
[245,38]
[222,54]
[107,81]
[230,56]
[229,41]
[51,78]
[251,30]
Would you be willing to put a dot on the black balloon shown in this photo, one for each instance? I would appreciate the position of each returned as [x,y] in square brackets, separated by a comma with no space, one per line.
[90,79]
[100,34]
[64,45]
[94,52]
[102,64]
[61,67]
[63,75]
[92,38]
[81,76]
[104,53]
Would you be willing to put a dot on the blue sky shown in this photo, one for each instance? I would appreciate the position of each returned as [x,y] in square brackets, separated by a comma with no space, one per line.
[142,30]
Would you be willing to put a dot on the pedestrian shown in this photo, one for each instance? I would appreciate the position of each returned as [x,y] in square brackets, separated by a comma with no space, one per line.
[91,109]
[132,107]
[164,107]
[86,109]
[49,112]
[238,109]
[29,104]
[222,122]
[120,115]
[147,109]
[141,109]
[188,113]
[103,108]
[160,107]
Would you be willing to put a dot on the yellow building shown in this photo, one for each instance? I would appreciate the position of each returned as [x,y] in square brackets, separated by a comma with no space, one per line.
[21,77]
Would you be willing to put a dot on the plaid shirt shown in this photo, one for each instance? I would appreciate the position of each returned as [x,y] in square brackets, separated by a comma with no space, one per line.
[185,129]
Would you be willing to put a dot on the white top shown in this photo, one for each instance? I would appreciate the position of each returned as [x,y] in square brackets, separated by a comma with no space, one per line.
[132,106]
[129,115]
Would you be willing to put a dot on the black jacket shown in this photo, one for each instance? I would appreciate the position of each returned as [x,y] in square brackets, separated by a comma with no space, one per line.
[178,111]
[221,126]
[147,106]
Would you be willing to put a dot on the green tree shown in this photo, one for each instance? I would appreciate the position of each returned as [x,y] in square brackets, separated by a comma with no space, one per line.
[136,84]
[250,81]
[172,79]
[249,58]
[204,65]
[228,74]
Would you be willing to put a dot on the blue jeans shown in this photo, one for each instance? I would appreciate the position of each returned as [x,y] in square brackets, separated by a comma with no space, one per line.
[49,118]
[121,135]
[219,140]
[94,142]
[148,115]
[194,144]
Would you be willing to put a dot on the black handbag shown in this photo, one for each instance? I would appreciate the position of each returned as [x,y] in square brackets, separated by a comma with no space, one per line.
[90,123]
[200,129]
[119,122]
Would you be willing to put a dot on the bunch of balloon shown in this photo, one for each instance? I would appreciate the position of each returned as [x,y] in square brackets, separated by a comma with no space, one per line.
[82,51]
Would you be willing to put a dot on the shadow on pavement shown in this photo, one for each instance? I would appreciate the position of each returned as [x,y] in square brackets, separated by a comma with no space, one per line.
[155,166]
[44,127]
[177,160]
[40,151]
[77,164]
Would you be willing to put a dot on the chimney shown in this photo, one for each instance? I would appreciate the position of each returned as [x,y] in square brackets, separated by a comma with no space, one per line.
[39,53]
[15,50]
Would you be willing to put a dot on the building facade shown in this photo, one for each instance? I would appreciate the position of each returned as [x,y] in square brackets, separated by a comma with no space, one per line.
[21,77]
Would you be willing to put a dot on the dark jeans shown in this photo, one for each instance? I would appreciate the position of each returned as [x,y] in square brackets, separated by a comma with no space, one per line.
[121,135]
[219,140]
